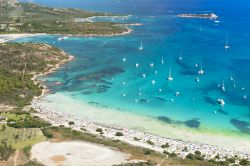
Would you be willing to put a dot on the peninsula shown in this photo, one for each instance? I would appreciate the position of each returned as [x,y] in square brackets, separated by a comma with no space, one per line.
[206,16]
[18,18]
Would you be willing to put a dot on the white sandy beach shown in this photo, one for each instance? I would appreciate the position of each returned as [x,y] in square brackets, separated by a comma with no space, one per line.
[236,147]
[8,37]
[74,153]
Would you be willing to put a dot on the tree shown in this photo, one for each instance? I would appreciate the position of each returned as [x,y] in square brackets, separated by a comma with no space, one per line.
[243,162]
[119,134]
[99,130]
[3,127]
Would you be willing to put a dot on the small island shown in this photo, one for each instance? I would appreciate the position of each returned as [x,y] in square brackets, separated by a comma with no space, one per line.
[206,16]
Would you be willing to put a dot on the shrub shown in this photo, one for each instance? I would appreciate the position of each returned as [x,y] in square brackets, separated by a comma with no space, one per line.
[217,156]
[190,156]
[47,134]
[26,150]
[185,149]
[197,152]
[3,127]
[29,122]
[136,139]
[172,154]
[6,151]
[71,123]
[243,162]
[164,146]
[166,152]
[83,129]
[150,142]
[231,160]
[99,130]
[223,163]
[147,151]
[119,134]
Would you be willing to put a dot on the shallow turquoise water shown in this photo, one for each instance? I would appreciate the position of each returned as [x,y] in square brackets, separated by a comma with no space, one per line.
[99,75]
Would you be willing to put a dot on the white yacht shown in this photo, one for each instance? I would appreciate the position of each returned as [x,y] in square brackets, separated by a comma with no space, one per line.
[223,87]
[221,102]
[201,71]
[162,60]
[170,78]
[141,47]
[227,43]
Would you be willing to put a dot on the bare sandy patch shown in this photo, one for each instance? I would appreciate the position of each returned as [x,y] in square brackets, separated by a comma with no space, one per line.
[58,159]
[73,153]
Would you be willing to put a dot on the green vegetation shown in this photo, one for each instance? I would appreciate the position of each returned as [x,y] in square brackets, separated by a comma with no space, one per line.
[148,163]
[172,154]
[150,142]
[27,150]
[33,18]
[6,151]
[196,156]
[244,162]
[99,130]
[27,122]
[18,64]
[33,163]
[21,137]
[164,146]
[118,134]
[71,123]
[137,139]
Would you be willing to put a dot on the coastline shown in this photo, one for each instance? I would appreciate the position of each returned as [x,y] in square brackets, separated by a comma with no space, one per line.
[56,67]
[210,151]
[9,37]
[176,145]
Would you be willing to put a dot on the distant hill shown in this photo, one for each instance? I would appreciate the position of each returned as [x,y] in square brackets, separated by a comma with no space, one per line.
[7,3]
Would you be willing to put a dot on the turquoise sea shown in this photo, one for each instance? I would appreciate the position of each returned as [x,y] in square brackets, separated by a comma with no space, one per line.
[108,72]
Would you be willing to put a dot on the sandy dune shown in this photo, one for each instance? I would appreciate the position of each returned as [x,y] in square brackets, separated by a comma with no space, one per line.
[74,153]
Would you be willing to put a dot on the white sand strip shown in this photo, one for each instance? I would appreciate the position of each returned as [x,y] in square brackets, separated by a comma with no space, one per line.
[8,37]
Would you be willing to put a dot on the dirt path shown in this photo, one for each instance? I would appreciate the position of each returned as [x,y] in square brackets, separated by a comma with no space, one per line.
[16,157]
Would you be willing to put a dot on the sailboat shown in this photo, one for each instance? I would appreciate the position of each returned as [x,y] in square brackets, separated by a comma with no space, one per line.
[162,60]
[151,65]
[170,78]
[153,82]
[141,47]
[223,87]
[180,57]
[234,85]
[124,59]
[231,78]
[227,43]
[201,71]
